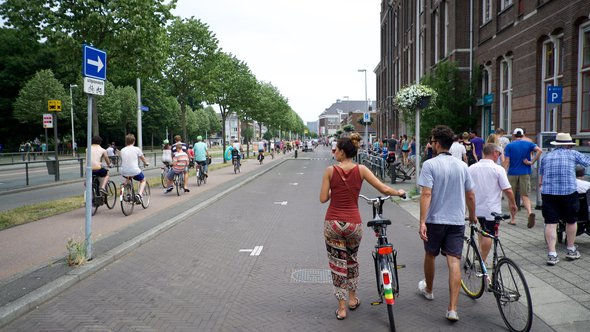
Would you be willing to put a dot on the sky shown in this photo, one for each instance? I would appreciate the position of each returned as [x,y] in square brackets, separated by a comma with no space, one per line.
[311,50]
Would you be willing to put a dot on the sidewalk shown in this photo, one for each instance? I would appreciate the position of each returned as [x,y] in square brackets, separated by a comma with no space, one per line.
[33,255]
[560,293]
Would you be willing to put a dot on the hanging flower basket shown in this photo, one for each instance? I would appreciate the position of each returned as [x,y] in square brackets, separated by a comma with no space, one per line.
[414,97]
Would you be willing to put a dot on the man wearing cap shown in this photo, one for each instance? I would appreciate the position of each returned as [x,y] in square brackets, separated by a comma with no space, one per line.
[201,154]
[490,182]
[517,161]
[558,191]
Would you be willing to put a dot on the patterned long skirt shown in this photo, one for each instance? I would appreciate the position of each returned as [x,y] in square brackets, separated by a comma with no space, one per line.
[342,242]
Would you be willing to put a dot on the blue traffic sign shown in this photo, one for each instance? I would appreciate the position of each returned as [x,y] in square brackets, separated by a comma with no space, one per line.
[94,63]
[145,108]
[554,94]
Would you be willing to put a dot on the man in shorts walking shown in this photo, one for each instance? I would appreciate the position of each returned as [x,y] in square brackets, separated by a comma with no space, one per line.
[559,194]
[446,188]
[517,161]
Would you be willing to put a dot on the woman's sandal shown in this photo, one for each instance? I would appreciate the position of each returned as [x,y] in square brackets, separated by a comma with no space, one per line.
[338,317]
[358,304]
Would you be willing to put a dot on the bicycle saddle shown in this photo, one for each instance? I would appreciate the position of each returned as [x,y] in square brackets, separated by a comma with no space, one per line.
[379,222]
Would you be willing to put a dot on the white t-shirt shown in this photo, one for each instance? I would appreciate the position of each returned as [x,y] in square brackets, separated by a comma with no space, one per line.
[457,150]
[96,156]
[130,160]
[582,186]
[334,144]
[490,180]
[110,151]
[236,145]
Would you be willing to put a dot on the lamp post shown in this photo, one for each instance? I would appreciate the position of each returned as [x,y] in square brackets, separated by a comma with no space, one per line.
[72,115]
[366,105]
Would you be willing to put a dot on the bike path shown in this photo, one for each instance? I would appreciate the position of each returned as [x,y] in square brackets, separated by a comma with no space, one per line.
[206,273]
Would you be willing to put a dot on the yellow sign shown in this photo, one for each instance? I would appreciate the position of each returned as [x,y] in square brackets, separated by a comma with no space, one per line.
[54,105]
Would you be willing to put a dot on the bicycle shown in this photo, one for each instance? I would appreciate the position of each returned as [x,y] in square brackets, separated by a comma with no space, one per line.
[384,257]
[99,197]
[260,157]
[507,283]
[201,178]
[167,166]
[178,181]
[236,162]
[397,173]
[129,199]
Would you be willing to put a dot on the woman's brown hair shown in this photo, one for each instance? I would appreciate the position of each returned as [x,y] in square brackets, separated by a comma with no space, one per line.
[350,145]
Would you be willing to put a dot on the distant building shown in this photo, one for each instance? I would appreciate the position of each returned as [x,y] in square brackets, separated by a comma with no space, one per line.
[312,126]
[343,112]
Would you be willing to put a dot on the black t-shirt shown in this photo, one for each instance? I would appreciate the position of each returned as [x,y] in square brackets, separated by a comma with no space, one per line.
[391,144]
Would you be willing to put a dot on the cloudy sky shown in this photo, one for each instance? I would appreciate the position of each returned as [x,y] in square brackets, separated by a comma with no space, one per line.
[310,50]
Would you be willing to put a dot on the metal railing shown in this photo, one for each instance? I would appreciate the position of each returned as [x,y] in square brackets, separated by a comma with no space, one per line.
[374,162]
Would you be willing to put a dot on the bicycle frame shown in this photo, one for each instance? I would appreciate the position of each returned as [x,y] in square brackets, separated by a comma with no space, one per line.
[496,244]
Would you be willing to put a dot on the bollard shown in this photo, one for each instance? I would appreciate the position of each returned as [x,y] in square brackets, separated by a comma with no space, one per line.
[295,154]
[27,172]
[81,168]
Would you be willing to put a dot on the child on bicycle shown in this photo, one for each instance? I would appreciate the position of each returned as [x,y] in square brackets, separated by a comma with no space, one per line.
[130,163]
[341,186]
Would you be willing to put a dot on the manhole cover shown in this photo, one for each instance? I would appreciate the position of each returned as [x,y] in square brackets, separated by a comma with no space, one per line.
[315,276]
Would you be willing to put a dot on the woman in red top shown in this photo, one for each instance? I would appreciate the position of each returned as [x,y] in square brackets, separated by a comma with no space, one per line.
[343,227]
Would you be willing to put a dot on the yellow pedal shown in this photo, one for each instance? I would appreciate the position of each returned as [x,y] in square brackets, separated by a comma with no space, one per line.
[401,266]
[376,303]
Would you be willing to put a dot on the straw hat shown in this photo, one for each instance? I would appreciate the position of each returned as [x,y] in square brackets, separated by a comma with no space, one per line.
[563,139]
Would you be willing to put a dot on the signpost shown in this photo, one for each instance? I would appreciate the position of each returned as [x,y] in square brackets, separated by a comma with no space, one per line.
[47,121]
[554,95]
[54,106]
[94,70]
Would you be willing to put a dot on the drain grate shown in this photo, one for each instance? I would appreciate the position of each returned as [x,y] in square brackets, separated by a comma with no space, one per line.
[313,276]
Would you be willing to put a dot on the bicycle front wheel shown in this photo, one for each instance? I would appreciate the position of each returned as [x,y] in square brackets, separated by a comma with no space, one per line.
[127,199]
[513,296]
[472,278]
[111,196]
[145,198]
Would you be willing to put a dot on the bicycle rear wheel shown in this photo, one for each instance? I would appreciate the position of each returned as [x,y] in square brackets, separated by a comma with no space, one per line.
[513,296]
[389,286]
[145,198]
[111,196]
[472,279]
[199,177]
[127,199]
[177,183]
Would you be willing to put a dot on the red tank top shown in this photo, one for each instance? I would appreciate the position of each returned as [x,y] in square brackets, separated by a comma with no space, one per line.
[344,201]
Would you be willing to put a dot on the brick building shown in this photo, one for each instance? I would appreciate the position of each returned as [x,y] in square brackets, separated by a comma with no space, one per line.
[519,47]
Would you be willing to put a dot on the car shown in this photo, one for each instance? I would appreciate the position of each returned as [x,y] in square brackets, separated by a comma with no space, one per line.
[307,146]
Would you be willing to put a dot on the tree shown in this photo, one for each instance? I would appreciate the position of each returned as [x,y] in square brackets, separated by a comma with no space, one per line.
[214,123]
[191,57]
[118,110]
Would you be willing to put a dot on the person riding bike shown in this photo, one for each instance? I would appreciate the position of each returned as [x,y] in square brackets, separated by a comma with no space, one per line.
[166,153]
[179,165]
[201,154]
[261,150]
[184,148]
[237,151]
[130,164]
[97,155]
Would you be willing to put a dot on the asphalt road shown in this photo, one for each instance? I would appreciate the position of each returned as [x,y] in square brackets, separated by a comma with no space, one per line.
[255,260]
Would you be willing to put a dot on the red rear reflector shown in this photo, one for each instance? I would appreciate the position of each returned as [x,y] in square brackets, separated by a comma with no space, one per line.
[386,280]
[385,250]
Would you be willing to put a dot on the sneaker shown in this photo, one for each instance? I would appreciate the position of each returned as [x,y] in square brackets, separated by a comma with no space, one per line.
[422,289]
[452,315]
[186,190]
[552,260]
[169,189]
[572,254]
[138,199]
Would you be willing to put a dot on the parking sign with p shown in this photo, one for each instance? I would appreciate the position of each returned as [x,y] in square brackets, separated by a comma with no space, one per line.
[554,95]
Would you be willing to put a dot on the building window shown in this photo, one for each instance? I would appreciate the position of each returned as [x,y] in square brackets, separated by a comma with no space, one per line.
[436,35]
[446,36]
[505,4]
[486,11]
[506,93]
[552,76]
[422,54]
[584,79]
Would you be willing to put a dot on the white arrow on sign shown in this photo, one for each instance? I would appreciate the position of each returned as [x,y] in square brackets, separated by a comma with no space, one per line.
[98,63]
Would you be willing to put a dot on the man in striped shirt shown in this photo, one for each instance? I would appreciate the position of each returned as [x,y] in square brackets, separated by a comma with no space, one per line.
[179,165]
[558,191]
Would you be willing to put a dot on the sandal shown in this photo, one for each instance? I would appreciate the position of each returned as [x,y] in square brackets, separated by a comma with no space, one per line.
[338,317]
[358,303]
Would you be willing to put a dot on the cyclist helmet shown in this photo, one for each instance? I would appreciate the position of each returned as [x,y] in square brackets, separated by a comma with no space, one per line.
[166,141]
[190,146]
[199,138]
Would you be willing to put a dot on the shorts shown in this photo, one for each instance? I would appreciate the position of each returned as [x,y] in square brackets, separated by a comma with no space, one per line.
[487,225]
[260,150]
[560,207]
[100,172]
[444,239]
[138,177]
[520,183]
[333,150]
[171,174]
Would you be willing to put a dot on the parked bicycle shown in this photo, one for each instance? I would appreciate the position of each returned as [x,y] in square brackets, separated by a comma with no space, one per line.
[507,283]
[100,197]
[397,173]
[384,257]
[201,178]
[129,198]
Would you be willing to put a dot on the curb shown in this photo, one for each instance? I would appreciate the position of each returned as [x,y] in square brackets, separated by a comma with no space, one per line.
[13,310]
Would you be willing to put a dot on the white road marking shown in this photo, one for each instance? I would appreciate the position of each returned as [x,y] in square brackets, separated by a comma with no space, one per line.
[245,250]
[280,203]
[294,183]
[256,251]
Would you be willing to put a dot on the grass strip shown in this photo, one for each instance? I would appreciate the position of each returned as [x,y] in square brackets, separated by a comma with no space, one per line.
[29,213]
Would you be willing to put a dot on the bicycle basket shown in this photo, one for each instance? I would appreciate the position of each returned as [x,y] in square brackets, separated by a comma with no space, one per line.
[208,160]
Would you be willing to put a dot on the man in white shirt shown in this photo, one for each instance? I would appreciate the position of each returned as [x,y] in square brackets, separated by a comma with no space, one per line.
[490,181]
[458,150]
[130,163]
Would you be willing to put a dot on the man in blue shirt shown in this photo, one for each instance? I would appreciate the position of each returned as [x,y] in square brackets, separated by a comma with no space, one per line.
[517,160]
[559,194]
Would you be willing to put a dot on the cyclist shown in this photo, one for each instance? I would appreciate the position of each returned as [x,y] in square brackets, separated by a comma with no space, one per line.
[97,155]
[261,150]
[166,153]
[178,139]
[111,153]
[490,181]
[179,165]
[130,165]
[237,150]
[201,154]
[341,185]
[191,156]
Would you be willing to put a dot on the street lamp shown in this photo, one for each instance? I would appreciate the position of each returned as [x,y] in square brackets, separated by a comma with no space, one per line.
[366,105]
[72,115]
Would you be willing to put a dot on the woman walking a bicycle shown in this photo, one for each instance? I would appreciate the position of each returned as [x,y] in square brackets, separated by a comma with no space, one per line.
[341,185]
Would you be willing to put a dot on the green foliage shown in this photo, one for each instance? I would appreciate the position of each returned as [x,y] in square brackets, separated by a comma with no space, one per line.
[348,128]
[247,134]
[31,103]
[362,123]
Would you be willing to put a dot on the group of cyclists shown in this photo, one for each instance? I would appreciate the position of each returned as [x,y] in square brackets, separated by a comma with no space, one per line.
[180,157]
